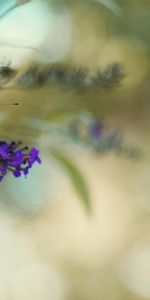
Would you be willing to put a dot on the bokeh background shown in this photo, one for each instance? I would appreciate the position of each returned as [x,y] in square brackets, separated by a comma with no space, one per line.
[50,247]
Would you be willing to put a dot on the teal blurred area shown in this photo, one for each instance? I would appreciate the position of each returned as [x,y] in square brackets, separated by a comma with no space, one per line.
[5,6]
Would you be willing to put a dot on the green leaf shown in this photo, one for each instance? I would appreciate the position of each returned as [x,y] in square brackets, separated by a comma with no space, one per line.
[76,178]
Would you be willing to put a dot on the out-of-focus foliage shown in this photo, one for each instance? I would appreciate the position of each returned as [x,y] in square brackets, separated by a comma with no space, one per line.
[75,176]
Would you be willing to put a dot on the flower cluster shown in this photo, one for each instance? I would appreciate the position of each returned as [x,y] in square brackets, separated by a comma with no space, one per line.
[15,159]
[104,139]
[95,136]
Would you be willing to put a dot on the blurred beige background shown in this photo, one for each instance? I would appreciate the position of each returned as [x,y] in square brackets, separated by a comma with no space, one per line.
[50,248]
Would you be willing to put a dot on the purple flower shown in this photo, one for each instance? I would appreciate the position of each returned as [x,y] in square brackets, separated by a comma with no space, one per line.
[16,160]
[34,156]
[96,130]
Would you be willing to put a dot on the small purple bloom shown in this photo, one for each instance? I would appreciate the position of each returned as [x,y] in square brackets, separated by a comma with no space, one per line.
[17,161]
[34,156]
[96,130]
[17,173]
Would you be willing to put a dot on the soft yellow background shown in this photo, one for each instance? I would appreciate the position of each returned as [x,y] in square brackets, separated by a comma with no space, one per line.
[56,251]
